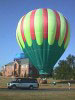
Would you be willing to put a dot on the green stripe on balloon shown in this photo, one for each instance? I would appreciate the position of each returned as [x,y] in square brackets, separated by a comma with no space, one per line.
[51,26]
[68,37]
[20,44]
[62,30]
[27,29]
[38,26]
[19,33]
[18,40]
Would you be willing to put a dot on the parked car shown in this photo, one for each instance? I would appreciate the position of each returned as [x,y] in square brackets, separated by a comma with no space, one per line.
[23,83]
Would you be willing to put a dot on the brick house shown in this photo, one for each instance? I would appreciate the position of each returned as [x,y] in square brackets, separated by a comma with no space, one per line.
[20,68]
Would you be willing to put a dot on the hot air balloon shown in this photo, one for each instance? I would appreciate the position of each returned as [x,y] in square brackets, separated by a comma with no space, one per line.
[44,35]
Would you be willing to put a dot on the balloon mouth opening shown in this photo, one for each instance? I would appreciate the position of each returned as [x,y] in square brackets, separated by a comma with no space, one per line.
[42,72]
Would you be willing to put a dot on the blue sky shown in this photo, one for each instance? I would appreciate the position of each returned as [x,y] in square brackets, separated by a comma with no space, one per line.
[12,10]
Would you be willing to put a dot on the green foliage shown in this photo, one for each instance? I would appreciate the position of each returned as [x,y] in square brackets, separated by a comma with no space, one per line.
[65,69]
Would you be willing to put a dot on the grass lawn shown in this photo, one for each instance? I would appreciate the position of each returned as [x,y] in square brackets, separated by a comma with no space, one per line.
[45,92]
[36,95]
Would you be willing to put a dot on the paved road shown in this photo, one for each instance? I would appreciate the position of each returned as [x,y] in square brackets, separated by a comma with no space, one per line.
[42,90]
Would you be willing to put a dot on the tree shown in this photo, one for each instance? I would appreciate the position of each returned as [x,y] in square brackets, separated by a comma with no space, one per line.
[63,70]
[71,60]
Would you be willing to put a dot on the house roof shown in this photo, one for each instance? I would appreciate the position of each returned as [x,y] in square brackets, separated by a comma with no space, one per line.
[20,61]
[23,61]
[10,63]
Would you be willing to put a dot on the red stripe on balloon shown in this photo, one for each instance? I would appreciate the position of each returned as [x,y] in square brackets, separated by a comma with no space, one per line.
[66,34]
[32,31]
[22,29]
[45,23]
[57,25]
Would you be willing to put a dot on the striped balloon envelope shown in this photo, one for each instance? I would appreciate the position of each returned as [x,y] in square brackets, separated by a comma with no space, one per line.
[44,35]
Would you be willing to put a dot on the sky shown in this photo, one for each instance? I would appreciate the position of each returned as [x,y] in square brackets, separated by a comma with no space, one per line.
[12,10]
